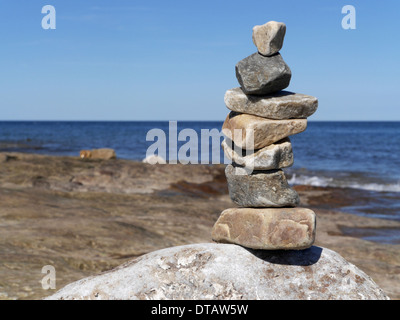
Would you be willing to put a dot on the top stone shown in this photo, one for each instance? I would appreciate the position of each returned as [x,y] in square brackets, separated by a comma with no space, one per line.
[268,38]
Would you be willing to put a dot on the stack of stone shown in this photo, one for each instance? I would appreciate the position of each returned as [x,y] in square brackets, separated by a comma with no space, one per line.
[257,131]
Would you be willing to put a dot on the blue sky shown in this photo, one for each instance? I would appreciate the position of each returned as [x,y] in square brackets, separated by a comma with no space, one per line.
[174,60]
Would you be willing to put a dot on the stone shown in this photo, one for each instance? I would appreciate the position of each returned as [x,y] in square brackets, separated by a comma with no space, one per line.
[3,158]
[154,159]
[210,271]
[278,106]
[259,188]
[268,37]
[266,229]
[252,132]
[259,75]
[102,154]
[275,156]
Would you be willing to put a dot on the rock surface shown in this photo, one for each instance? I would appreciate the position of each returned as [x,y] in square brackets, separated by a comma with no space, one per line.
[267,229]
[280,105]
[260,188]
[123,209]
[261,75]
[275,156]
[269,37]
[226,271]
[252,132]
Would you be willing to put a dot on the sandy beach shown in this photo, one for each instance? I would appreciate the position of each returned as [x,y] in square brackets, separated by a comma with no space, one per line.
[88,216]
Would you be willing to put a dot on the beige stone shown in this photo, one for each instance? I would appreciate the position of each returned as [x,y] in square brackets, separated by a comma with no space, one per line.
[267,229]
[278,106]
[103,154]
[275,156]
[269,37]
[3,157]
[252,132]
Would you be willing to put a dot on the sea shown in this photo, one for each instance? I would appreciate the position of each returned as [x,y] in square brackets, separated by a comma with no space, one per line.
[363,156]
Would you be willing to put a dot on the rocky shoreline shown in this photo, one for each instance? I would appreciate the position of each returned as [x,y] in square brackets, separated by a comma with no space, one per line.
[85,216]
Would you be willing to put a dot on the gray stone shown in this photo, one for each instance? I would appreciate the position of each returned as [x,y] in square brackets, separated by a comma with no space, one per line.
[268,37]
[267,229]
[257,189]
[226,271]
[278,106]
[252,132]
[275,156]
[261,75]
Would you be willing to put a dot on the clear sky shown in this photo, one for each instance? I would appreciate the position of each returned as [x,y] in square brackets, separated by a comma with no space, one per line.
[174,60]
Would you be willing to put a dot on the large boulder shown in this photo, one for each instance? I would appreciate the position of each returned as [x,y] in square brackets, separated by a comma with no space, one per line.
[227,271]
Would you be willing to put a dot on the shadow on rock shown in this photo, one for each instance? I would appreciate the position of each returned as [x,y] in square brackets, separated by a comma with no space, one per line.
[305,257]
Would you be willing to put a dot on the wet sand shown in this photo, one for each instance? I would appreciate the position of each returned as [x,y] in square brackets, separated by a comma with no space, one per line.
[88,216]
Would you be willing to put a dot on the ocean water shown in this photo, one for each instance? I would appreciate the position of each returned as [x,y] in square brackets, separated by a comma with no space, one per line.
[357,155]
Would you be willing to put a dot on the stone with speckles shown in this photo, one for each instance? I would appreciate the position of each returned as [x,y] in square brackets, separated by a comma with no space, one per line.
[227,271]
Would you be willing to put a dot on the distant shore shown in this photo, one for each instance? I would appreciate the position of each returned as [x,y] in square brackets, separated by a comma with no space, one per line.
[87,216]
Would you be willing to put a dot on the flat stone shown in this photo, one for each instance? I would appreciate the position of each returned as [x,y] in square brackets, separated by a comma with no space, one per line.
[102,154]
[266,229]
[275,156]
[268,37]
[253,132]
[280,105]
[267,189]
[261,75]
[214,271]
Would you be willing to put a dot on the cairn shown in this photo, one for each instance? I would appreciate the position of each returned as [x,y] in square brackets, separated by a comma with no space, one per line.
[265,116]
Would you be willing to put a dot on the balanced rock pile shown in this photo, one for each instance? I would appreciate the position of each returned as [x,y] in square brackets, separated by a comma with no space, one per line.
[257,131]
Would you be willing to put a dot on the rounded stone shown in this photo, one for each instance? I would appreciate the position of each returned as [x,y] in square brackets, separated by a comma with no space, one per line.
[227,271]
[268,38]
[261,75]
